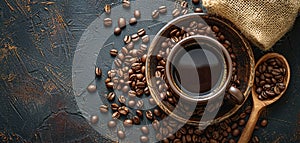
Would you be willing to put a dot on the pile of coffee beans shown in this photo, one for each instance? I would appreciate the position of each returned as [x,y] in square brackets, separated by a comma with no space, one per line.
[269,79]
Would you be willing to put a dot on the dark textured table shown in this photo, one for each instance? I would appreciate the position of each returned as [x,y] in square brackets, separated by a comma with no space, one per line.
[37,45]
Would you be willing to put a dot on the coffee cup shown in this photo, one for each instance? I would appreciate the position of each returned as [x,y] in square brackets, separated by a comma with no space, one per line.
[199,68]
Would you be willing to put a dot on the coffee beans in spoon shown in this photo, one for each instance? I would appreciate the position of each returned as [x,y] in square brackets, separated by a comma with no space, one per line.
[269,79]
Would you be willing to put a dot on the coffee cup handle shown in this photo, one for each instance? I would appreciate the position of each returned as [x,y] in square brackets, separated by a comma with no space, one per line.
[237,95]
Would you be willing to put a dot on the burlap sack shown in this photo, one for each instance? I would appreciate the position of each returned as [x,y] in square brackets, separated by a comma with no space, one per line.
[263,22]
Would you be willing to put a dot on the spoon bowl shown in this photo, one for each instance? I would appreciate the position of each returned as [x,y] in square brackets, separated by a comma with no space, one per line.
[258,104]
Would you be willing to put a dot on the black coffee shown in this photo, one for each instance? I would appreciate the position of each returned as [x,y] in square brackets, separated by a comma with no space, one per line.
[197,68]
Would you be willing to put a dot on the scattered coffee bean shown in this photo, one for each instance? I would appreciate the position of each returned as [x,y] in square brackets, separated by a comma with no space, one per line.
[184,11]
[94,119]
[107,8]
[116,115]
[139,113]
[135,37]
[198,10]
[149,115]
[103,108]
[136,120]
[127,39]
[155,14]
[92,88]
[264,123]
[175,12]
[145,39]
[196,1]
[123,110]
[122,99]
[131,103]
[137,14]
[144,139]
[122,22]
[113,52]
[155,124]
[141,32]
[184,4]
[140,103]
[132,21]
[109,85]
[128,123]
[145,130]
[98,72]
[117,31]
[236,132]
[162,9]
[114,106]
[110,96]
[112,124]
[126,3]
[107,22]
[121,134]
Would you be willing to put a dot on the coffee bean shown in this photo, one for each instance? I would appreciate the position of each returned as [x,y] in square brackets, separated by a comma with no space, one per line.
[107,22]
[139,113]
[155,124]
[162,9]
[196,1]
[145,130]
[127,123]
[184,11]
[215,29]
[232,141]
[242,122]
[264,123]
[126,3]
[140,103]
[114,106]
[157,112]
[184,4]
[109,85]
[121,134]
[103,108]
[198,10]
[155,14]
[122,99]
[123,110]
[132,21]
[107,8]
[94,119]
[113,52]
[131,103]
[141,32]
[116,115]
[136,120]
[112,124]
[110,96]
[135,37]
[255,139]
[122,22]
[117,31]
[98,72]
[144,139]
[236,132]
[175,12]
[149,115]
[145,39]
[137,14]
[127,39]
[92,88]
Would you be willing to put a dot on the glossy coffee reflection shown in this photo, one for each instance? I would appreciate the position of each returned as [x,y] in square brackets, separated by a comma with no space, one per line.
[197,68]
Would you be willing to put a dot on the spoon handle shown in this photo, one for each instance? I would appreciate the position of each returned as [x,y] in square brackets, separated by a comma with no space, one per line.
[248,130]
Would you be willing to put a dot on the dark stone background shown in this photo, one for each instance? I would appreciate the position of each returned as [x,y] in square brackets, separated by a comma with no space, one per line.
[37,44]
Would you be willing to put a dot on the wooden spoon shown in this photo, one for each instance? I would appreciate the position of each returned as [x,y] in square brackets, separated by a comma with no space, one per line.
[258,104]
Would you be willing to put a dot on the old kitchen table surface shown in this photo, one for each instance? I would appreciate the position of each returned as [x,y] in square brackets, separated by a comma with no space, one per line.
[37,44]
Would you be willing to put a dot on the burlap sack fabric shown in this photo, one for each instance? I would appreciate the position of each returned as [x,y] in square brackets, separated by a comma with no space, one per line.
[263,22]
